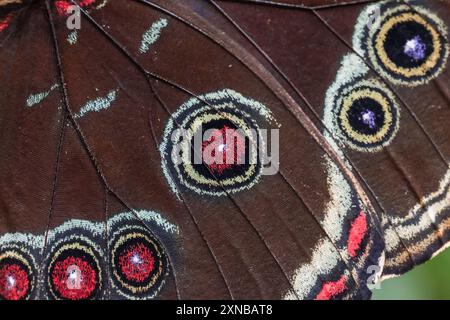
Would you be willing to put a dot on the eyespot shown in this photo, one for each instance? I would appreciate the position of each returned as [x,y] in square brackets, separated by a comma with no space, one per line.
[74,261]
[17,273]
[231,128]
[74,270]
[409,47]
[366,116]
[138,263]
[219,145]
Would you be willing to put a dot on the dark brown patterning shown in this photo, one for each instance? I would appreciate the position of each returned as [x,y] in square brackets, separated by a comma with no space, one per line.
[94,205]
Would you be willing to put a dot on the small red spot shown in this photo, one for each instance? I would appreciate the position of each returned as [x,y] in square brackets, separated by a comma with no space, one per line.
[14,283]
[73,278]
[137,262]
[62,6]
[228,144]
[357,232]
[332,289]
[5,22]
[85,3]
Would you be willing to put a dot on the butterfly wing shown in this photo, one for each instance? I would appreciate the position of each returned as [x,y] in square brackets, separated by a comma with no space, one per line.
[393,49]
[90,225]
[123,214]
[423,93]
[248,225]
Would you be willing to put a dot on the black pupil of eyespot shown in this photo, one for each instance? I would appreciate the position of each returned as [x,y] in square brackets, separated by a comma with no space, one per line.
[366,116]
[408,44]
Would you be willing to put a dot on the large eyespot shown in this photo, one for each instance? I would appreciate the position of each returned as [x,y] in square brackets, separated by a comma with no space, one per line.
[409,47]
[366,116]
[138,263]
[17,273]
[74,270]
[212,145]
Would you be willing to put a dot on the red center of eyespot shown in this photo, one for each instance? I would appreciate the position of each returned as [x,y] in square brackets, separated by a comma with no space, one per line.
[14,283]
[62,6]
[226,145]
[74,278]
[137,262]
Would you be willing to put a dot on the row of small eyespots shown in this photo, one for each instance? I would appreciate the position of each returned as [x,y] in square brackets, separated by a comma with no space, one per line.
[74,270]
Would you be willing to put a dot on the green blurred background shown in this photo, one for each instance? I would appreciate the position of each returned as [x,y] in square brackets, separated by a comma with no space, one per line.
[427,281]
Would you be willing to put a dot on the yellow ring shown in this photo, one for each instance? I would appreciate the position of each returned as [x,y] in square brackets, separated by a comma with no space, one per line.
[427,65]
[74,246]
[347,104]
[188,166]
[12,254]
[135,289]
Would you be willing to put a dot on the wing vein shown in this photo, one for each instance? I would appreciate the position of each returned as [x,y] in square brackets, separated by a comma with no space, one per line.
[80,135]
